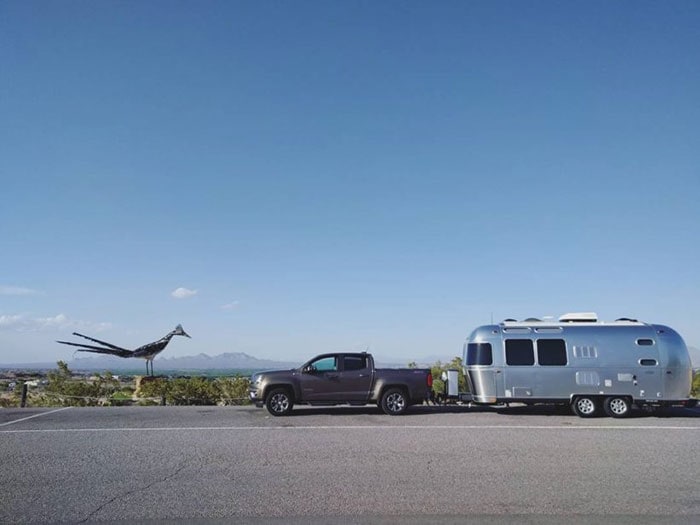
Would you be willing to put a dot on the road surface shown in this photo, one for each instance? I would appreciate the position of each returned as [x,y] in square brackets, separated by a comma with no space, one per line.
[346,465]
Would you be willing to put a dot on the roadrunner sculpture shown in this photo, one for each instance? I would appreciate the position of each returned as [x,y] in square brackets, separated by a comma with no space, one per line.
[147,351]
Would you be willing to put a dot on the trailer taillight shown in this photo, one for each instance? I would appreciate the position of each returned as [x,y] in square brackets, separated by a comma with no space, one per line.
[430,380]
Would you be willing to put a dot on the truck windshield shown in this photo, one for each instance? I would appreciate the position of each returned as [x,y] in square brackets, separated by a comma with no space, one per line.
[479,354]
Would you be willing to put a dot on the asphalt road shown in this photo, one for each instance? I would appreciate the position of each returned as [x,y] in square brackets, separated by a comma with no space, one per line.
[346,465]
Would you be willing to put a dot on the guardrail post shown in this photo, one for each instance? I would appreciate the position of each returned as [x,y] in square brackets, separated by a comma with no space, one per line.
[162,401]
[23,402]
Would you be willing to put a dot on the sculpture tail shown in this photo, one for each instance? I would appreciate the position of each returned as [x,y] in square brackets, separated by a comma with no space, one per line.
[119,352]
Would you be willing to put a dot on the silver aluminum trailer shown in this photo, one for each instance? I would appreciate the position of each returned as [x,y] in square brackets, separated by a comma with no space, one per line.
[593,366]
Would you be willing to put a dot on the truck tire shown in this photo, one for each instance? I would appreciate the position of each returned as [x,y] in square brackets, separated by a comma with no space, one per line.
[617,406]
[279,402]
[394,401]
[584,406]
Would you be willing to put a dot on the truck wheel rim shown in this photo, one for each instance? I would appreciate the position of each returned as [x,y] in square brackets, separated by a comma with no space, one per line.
[395,402]
[279,403]
[585,405]
[618,406]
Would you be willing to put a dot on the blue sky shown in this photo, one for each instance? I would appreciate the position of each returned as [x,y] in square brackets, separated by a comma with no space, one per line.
[320,176]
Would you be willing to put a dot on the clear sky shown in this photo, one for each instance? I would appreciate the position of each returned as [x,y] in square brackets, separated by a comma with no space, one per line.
[290,178]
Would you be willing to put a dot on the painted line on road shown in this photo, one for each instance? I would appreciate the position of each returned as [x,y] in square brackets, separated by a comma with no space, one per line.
[35,415]
[346,427]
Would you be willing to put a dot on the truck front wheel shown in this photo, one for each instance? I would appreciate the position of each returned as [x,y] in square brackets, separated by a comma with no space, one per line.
[394,402]
[279,402]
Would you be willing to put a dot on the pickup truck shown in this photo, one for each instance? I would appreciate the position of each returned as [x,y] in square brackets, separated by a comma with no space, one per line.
[341,378]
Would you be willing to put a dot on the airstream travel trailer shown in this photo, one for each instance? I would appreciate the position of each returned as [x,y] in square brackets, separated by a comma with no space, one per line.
[594,366]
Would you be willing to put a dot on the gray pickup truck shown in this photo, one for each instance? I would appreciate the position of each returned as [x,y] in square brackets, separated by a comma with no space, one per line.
[341,378]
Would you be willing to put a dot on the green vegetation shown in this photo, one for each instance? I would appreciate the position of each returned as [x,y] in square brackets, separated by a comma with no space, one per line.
[438,368]
[196,390]
[63,388]
[695,392]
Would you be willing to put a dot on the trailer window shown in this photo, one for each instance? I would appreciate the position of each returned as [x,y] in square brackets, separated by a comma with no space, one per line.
[645,342]
[647,362]
[519,352]
[551,352]
[479,354]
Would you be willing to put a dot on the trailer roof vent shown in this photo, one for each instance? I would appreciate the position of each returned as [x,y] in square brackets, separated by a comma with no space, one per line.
[579,317]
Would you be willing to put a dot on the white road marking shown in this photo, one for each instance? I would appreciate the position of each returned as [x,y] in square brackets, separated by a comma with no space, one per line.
[35,415]
[346,427]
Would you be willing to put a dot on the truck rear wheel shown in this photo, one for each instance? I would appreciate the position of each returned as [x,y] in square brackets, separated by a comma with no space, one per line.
[279,402]
[584,406]
[394,402]
[616,406]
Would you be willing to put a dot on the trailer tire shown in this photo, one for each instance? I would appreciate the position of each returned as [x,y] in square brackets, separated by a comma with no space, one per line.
[584,406]
[394,401]
[617,406]
[279,402]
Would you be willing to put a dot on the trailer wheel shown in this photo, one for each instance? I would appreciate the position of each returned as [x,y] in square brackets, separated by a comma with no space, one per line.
[615,406]
[279,402]
[394,402]
[584,406]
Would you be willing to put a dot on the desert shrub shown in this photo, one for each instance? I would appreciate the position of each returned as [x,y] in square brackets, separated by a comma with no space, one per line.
[438,368]
[65,390]
[233,390]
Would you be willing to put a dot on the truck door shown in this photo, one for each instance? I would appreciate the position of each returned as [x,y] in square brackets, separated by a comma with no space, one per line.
[320,380]
[355,378]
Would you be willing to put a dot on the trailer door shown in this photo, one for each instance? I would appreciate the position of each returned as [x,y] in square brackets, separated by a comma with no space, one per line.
[519,375]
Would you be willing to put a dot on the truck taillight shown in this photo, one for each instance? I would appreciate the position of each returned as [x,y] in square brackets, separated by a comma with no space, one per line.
[430,380]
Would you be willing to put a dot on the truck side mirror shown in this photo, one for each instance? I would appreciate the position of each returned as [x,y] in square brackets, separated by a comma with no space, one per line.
[309,369]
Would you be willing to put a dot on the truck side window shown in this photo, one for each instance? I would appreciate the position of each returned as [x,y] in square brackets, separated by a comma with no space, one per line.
[551,352]
[326,364]
[519,352]
[354,362]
